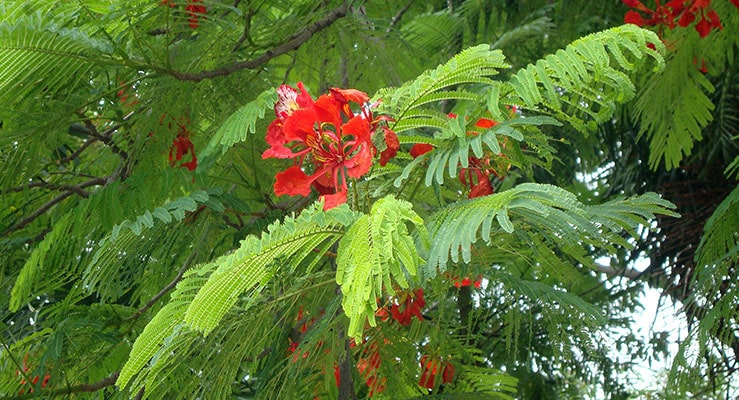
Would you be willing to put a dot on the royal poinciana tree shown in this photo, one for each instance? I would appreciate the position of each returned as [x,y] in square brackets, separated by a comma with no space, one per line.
[301,199]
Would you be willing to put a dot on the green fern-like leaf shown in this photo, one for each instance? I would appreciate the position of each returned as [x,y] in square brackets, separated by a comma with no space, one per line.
[32,49]
[582,83]
[546,209]
[377,252]
[673,125]
[473,65]
[199,302]
[237,127]
[251,266]
[719,244]
[165,322]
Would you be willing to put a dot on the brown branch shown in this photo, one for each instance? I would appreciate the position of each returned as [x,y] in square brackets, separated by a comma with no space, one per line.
[291,44]
[69,190]
[31,217]
[77,189]
[167,288]
[79,151]
[105,137]
[399,15]
[85,387]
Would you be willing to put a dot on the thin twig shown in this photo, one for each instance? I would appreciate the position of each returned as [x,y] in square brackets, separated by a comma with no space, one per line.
[291,44]
[31,217]
[85,387]
[399,15]
[167,288]
[105,137]
[68,191]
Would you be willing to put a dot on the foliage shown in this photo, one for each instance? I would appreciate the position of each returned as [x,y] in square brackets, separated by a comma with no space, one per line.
[458,257]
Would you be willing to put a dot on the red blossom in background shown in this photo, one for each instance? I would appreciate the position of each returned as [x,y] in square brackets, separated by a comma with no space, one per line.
[467,281]
[420,149]
[195,10]
[407,305]
[34,380]
[182,146]
[368,366]
[675,13]
[327,139]
[430,368]
[477,174]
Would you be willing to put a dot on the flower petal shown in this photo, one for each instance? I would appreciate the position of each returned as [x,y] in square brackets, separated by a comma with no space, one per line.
[633,17]
[333,200]
[420,149]
[276,140]
[293,181]
[300,124]
[391,140]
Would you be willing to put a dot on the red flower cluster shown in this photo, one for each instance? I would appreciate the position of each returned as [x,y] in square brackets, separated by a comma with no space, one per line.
[368,366]
[34,380]
[327,133]
[194,9]
[431,367]
[467,281]
[675,13]
[477,175]
[403,307]
[182,145]
[127,96]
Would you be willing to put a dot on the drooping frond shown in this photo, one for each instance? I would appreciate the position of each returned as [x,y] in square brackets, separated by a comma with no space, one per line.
[301,240]
[546,209]
[200,303]
[718,251]
[483,383]
[377,252]
[165,321]
[40,273]
[473,65]
[175,210]
[32,48]
[241,123]
[672,126]
[449,155]
[582,83]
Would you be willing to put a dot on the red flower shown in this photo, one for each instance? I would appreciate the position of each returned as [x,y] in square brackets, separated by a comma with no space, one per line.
[34,380]
[169,3]
[392,145]
[633,17]
[447,374]
[412,303]
[676,13]
[420,149]
[477,173]
[182,146]
[194,12]
[467,281]
[326,132]
[368,366]
[430,368]
[735,3]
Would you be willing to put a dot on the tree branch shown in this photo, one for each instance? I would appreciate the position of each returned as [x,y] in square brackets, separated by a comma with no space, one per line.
[68,191]
[85,387]
[31,217]
[398,16]
[293,43]
[105,137]
[167,288]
